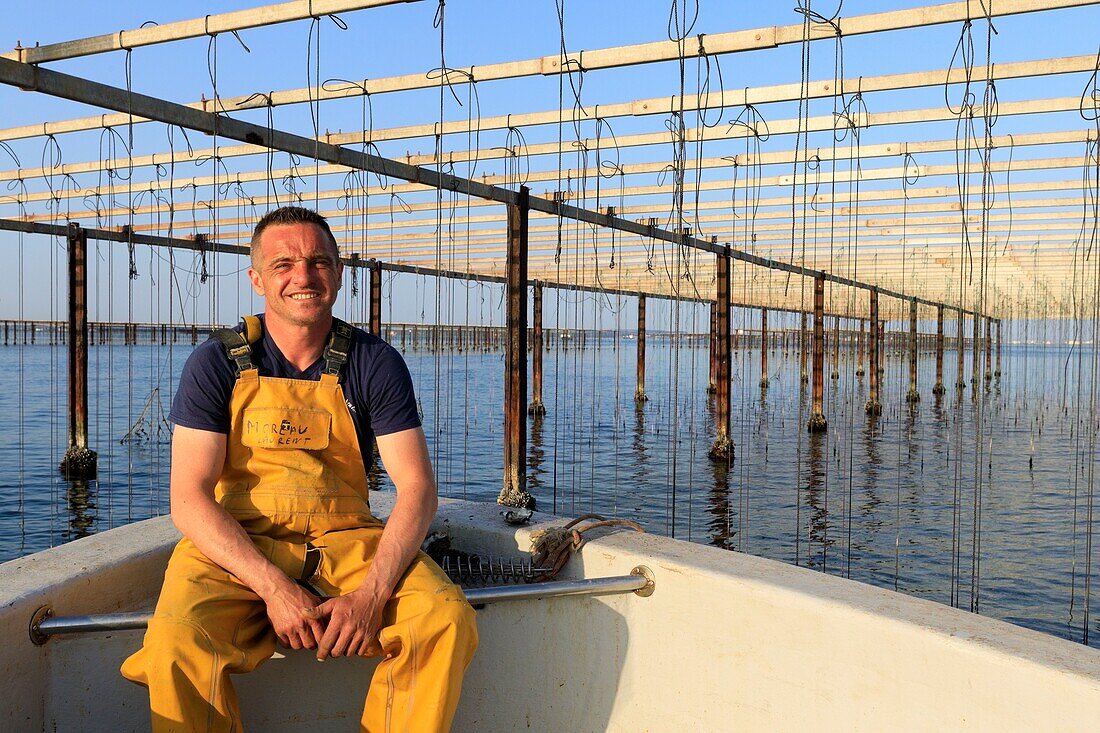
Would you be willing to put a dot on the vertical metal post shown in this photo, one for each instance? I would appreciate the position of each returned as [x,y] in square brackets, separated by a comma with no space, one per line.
[997,371]
[536,408]
[960,348]
[712,380]
[913,395]
[938,388]
[835,373]
[376,299]
[818,423]
[859,348]
[723,448]
[79,462]
[874,407]
[988,348]
[514,493]
[639,390]
[976,356]
[764,348]
[803,344]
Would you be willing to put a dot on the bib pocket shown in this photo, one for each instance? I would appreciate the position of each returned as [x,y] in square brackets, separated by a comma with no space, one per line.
[282,428]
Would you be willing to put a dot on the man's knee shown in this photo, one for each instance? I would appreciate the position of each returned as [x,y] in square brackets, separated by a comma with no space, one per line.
[180,644]
[174,638]
[454,616]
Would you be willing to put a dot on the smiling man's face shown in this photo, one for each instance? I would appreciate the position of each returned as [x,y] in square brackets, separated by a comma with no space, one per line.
[298,272]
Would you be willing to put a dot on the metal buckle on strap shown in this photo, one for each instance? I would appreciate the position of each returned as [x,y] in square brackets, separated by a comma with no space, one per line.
[311,563]
[339,344]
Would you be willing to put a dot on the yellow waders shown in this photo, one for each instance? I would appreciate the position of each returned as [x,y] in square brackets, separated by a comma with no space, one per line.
[294,475]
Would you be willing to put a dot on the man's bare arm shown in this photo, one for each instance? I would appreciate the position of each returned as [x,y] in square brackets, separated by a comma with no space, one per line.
[197,460]
[356,617]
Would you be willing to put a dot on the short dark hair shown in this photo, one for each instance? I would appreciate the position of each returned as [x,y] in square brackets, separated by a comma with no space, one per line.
[290,215]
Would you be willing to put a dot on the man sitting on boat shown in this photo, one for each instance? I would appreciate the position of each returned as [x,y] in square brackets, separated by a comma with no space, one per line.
[275,422]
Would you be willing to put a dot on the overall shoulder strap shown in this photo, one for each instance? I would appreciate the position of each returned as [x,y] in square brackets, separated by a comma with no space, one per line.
[336,352]
[238,345]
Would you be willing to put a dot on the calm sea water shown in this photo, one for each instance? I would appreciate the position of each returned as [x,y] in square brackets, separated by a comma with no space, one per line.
[977,500]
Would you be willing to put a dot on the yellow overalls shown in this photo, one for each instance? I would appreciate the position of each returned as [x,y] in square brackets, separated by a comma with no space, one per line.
[295,480]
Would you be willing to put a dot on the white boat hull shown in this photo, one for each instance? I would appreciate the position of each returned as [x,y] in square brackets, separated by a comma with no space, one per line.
[727,642]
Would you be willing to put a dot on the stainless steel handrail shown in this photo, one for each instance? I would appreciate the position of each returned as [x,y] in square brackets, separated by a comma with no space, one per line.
[44,624]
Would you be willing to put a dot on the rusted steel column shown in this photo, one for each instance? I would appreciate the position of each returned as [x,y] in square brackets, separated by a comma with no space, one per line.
[514,493]
[938,388]
[874,406]
[79,462]
[912,396]
[803,344]
[835,373]
[818,423]
[960,349]
[764,348]
[859,348]
[712,380]
[639,390]
[997,371]
[976,356]
[988,349]
[376,299]
[723,448]
[536,408]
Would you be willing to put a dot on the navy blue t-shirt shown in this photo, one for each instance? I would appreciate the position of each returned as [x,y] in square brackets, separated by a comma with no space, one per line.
[376,383]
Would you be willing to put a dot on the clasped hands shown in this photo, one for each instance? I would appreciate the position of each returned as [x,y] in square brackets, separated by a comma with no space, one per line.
[344,626]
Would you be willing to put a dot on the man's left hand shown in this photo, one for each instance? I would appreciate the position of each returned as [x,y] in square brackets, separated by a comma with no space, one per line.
[353,624]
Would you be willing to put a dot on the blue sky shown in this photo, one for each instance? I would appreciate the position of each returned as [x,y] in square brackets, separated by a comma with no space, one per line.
[401,40]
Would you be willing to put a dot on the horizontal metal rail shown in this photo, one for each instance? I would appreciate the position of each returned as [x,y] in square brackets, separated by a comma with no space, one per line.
[207,245]
[640,582]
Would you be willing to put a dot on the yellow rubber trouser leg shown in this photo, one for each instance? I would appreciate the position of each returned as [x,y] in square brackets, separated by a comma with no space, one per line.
[428,636]
[207,625]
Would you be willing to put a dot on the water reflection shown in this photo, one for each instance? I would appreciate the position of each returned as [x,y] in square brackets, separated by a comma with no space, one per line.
[82,507]
[719,521]
[817,501]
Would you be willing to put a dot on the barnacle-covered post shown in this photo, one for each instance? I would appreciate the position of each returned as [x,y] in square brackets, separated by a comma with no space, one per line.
[938,388]
[976,355]
[913,395]
[960,348]
[859,348]
[639,390]
[763,348]
[988,348]
[835,373]
[376,298]
[874,406]
[514,493]
[997,370]
[79,462]
[803,344]
[723,448]
[536,408]
[712,379]
[818,423]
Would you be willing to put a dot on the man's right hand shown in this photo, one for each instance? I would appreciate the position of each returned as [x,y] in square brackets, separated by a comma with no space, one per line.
[284,610]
